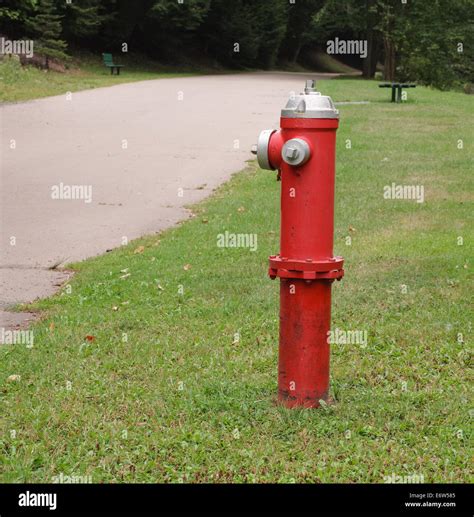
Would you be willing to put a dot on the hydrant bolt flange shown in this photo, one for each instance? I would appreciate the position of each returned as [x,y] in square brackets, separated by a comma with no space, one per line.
[308,269]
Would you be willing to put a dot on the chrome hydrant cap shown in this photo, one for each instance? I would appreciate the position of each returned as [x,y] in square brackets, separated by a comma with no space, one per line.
[310,104]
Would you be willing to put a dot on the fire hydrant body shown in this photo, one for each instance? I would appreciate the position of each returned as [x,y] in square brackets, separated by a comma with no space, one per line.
[303,151]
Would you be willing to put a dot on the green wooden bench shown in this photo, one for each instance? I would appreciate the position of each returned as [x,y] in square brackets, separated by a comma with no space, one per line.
[397,89]
[109,63]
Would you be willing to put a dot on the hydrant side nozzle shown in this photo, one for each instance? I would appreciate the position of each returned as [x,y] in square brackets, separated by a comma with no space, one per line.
[274,149]
[269,147]
[262,149]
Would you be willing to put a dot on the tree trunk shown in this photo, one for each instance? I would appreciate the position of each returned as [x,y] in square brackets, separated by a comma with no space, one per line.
[375,56]
[296,53]
[389,64]
[367,63]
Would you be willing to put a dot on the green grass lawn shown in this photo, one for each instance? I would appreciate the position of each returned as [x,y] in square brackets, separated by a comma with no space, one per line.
[177,379]
[20,83]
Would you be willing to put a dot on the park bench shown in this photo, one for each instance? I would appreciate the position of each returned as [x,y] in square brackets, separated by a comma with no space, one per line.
[109,63]
[397,89]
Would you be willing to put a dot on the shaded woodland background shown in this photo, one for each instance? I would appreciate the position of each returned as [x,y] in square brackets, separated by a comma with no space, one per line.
[429,41]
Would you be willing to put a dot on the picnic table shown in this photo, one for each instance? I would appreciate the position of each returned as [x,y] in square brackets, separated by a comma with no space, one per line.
[397,89]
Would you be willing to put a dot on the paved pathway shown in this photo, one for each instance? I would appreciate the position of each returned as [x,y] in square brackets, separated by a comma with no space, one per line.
[143,149]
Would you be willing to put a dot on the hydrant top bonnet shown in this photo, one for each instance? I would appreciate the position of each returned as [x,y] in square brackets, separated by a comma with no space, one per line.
[310,104]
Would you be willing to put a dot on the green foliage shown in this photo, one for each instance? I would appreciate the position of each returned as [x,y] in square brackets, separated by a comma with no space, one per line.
[13,15]
[299,29]
[45,26]
[437,43]
[416,41]
[80,20]
[15,9]
[244,33]
[270,23]
[420,39]
[173,16]
[9,14]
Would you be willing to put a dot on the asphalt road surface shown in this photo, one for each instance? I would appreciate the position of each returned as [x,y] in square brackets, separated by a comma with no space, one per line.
[131,155]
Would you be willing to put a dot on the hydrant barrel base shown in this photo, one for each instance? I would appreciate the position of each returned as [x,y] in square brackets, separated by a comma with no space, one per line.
[303,366]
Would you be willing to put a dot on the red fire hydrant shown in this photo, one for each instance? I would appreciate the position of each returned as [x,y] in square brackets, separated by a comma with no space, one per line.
[303,151]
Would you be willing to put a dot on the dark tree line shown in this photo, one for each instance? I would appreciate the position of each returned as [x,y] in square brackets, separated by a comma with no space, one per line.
[426,40]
